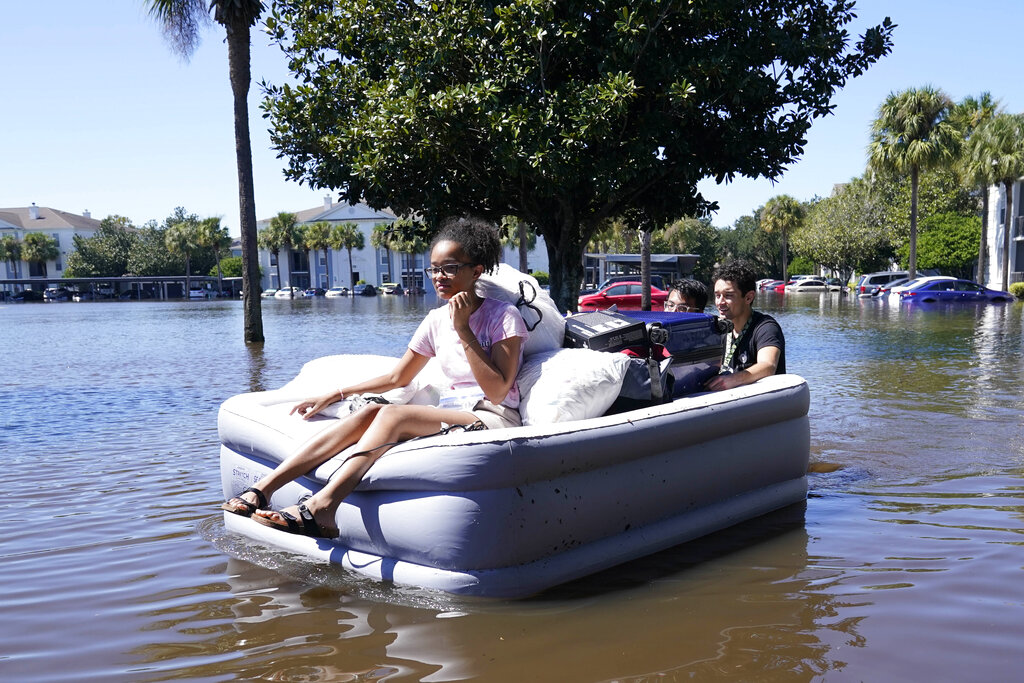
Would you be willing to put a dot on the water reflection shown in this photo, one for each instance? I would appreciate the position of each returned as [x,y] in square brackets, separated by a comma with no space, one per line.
[907,564]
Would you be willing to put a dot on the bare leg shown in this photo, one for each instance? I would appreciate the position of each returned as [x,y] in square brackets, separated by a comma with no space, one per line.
[391,423]
[314,452]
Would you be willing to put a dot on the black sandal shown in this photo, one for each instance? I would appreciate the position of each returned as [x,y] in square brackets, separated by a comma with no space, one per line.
[247,508]
[306,526]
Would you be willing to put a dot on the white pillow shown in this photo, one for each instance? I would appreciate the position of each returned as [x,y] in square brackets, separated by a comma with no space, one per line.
[569,384]
[547,321]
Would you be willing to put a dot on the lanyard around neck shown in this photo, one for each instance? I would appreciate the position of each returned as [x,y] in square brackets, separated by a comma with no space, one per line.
[732,344]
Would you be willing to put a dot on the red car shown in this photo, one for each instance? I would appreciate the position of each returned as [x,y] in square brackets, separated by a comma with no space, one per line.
[626,295]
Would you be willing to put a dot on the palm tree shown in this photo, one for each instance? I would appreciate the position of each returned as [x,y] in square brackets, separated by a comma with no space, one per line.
[182,238]
[210,235]
[182,20]
[270,238]
[782,215]
[967,116]
[286,229]
[408,239]
[10,252]
[912,134]
[348,236]
[997,146]
[516,233]
[382,238]
[37,247]
[317,236]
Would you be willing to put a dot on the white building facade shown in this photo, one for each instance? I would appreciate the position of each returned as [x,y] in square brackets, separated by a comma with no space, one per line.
[369,264]
[62,226]
[997,208]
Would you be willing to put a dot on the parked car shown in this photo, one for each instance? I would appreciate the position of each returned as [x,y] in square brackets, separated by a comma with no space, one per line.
[288,293]
[364,290]
[337,291]
[56,294]
[894,288]
[27,295]
[656,281]
[769,285]
[84,296]
[196,293]
[391,288]
[624,295]
[870,283]
[315,291]
[952,291]
[268,293]
[812,285]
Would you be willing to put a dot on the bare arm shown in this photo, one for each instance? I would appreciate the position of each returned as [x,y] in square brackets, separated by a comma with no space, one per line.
[767,363]
[404,371]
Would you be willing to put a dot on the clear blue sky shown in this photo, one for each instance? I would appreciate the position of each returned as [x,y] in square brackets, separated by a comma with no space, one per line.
[99,114]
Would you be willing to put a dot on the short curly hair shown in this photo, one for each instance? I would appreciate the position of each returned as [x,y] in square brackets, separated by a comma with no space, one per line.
[477,238]
[739,273]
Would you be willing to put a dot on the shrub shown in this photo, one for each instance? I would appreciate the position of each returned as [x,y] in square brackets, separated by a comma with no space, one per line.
[1017,289]
[541,277]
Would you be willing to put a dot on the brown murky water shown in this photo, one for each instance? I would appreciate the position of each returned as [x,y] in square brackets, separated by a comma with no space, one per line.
[906,564]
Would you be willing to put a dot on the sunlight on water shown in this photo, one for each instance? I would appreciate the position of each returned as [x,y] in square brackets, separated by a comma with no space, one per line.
[905,563]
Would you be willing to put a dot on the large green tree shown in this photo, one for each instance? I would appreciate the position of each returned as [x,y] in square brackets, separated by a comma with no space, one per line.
[998,146]
[691,236]
[104,254]
[281,234]
[747,241]
[847,231]
[948,243]
[911,135]
[563,114]
[182,21]
[782,215]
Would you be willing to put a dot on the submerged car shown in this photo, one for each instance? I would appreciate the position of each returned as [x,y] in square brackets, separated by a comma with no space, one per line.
[310,292]
[56,294]
[624,295]
[391,288]
[364,290]
[337,291]
[288,293]
[268,293]
[952,291]
[812,285]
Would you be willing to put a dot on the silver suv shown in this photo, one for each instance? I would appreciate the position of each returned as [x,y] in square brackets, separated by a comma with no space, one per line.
[870,283]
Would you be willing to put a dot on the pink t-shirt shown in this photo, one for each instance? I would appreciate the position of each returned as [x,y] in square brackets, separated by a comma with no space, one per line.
[492,322]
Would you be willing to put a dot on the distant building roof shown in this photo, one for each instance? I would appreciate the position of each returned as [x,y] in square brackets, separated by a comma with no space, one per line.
[40,218]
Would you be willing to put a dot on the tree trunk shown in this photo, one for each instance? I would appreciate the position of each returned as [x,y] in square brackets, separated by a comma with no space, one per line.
[277,257]
[240,76]
[912,265]
[188,276]
[327,267]
[645,270]
[523,247]
[351,279]
[785,257]
[220,275]
[1007,224]
[983,242]
[565,249]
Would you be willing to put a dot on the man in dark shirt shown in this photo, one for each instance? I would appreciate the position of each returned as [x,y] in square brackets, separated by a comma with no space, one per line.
[755,348]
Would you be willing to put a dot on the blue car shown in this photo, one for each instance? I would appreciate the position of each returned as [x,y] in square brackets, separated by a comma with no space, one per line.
[953,290]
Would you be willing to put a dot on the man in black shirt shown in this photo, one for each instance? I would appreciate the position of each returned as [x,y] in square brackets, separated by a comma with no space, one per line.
[755,348]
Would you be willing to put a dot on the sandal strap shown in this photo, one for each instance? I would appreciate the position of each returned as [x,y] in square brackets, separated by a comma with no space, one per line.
[293,524]
[310,527]
[262,499]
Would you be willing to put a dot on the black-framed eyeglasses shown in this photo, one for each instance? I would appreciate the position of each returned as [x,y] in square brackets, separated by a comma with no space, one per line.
[448,269]
[671,306]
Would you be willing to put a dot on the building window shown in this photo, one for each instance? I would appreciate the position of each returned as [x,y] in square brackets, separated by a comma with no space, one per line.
[273,259]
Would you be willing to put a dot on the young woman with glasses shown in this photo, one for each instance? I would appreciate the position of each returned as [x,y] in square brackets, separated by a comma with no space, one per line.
[479,345]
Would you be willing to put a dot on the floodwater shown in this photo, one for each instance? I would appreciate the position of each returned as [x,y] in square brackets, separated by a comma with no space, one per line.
[906,564]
